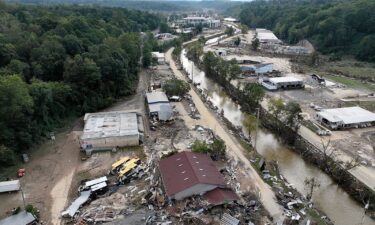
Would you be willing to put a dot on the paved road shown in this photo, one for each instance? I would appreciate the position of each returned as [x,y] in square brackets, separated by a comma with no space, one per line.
[233,147]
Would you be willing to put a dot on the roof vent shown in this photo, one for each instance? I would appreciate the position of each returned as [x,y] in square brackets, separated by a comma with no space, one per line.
[181,165]
[186,178]
[183,171]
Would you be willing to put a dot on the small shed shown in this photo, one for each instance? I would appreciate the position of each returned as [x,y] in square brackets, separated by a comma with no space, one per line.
[159,106]
[9,186]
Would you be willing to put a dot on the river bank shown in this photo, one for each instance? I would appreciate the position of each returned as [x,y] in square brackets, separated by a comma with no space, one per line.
[344,212]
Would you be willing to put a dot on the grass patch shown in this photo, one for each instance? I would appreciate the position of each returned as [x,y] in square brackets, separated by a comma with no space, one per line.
[351,82]
[315,217]
[369,105]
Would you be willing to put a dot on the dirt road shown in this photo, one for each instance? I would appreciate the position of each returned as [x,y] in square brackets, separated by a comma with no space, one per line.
[233,147]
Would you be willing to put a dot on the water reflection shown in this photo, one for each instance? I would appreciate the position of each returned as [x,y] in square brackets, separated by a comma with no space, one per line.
[328,197]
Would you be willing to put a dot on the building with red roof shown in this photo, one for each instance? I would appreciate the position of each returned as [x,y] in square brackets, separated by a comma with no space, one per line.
[220,196]
[186,173]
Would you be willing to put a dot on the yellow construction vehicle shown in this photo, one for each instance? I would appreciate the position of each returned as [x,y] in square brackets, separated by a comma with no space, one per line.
[117,165]
[129,166]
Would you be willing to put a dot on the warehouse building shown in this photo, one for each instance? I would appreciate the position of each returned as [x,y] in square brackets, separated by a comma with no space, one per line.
[159,106]
[186,174]
[276,83]
[196,20]
[349,117]
[267,36]
[108,130]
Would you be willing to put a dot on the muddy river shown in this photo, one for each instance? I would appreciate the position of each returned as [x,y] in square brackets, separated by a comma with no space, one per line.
[329,197]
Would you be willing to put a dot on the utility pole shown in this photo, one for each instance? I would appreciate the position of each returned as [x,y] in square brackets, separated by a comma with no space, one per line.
[364,212]
[23,198]
[256,129]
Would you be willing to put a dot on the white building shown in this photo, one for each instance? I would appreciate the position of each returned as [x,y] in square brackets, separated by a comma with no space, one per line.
[206,21]
[159,106]
[159,56]
[349,117]
[107,130]
[266,36]
[9,186]
[275,83]
[231,19]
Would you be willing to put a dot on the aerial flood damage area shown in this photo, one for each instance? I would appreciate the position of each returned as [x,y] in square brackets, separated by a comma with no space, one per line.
[198,116]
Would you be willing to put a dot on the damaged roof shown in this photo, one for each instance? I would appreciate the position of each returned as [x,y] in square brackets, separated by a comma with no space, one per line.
[21,218]
[186,169]
[220,196]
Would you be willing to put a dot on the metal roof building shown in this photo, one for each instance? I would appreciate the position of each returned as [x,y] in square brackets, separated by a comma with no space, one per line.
[186,173]
[220,196]
[112,129]
[346,117]
[266,36]
[21,218]
[8,186]
[159,106]
[275,83]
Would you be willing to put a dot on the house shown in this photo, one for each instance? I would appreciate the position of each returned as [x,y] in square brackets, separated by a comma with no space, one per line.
[285,83]
[21,218]
[349,117]
[159,106]
[160,57]
[108,130]
[186,174]
[266,36]
[10,186]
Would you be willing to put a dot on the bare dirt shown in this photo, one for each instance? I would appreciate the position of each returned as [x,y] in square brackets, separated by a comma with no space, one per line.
[55,165]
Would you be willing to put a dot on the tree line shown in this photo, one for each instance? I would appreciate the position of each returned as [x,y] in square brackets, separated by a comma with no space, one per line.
[62,61]
[340,27]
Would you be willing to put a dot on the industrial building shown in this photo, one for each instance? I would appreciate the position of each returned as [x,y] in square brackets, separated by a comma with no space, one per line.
[159,106]
[349,117]
[266,36]
[276,83]
[186,174]
[257,69]
[107,130]
[231,19]
[196,20]
[241,59]
[160,57]
[21,218]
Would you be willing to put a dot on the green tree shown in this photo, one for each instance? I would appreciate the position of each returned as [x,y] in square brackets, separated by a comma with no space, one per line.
[237,41]
[200,147]
[195,51]
[249,122]
[164,28]
[7,156]
[176,87]
[244,29]
[252,95]
[229,31]
[255,44]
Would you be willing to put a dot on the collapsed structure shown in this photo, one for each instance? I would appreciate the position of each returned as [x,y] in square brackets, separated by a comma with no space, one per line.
[159,106]
[275,83]
[108,130]
[349,117]
[186,173]
[260,68]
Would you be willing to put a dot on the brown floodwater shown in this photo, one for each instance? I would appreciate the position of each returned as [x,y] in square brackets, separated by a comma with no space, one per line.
[329,197]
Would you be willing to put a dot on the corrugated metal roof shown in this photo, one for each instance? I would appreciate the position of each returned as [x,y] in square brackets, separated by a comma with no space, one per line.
[96,181]
[22,218]
[13,185]
[348,115]
[110,124]
[219,196]
[156,97]
[276,80]
[73,208]
[98,186]
[186,169]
